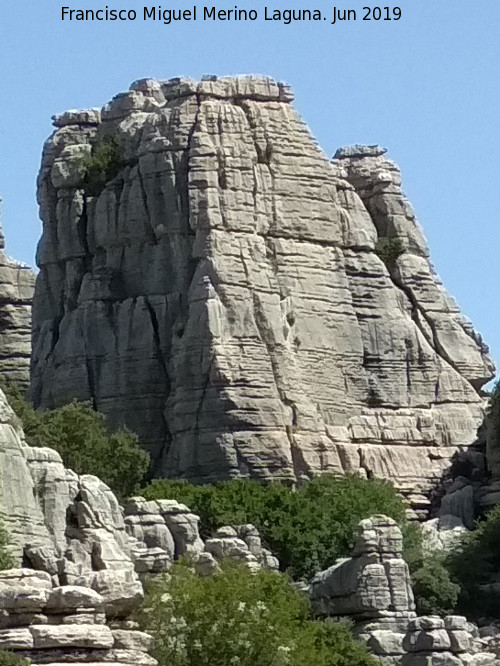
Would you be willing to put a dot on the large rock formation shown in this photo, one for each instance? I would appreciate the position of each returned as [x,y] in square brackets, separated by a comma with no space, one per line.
[373,588]
[17,283]
[223,295]
[69,526]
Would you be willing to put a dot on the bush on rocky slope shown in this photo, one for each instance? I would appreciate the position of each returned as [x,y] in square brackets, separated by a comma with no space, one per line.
[389,249]
[80,435]
[494,417]
[307,529]
[6,560]
[435,592]
[244,618]
[475,565]
[11,659]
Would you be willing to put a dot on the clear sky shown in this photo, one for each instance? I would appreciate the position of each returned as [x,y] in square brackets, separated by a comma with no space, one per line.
[426,87]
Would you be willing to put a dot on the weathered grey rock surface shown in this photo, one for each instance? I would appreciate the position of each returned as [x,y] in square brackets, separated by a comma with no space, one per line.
[17,284]
[374,583]
[54,625]
[165,530]
[67,525]
[223,296]
[373,588]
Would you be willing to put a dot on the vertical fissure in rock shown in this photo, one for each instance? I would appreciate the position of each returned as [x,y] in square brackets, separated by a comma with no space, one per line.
[435,343]
[150,229]
[267,339]
[184,186]
[163,365]
[204,389]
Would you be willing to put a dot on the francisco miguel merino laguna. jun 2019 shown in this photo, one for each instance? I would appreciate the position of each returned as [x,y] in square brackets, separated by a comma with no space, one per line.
[167,16]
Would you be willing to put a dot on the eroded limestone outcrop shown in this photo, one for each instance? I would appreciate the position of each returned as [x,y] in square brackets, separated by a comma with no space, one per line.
[17,284]
[373,588]
[69,526]
[223,295]
[55,625]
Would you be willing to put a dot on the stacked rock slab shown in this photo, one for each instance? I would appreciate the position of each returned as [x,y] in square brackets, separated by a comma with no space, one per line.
[165,530]
[17,284]
[222,294]
[373,588]
[69,526]
[435,641]
[58,625]
[372,584]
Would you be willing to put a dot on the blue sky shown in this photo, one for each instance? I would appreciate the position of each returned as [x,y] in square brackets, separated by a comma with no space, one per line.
[426,87]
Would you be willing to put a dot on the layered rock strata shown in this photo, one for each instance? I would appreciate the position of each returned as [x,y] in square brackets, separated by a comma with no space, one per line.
[165,530]
[17,284]
[223,294]
[67,525]
[73,528]
[372,584]
[373,588]
[58,625]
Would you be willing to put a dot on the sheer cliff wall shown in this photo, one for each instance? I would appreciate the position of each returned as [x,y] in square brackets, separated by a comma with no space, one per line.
[223,295]
[17,283]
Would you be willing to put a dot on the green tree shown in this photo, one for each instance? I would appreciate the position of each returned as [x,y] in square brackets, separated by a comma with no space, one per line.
[474,566]
[80,435]
[102,165]
[307,529]
[239,617]
[435,592]
[389,249]
[493,419]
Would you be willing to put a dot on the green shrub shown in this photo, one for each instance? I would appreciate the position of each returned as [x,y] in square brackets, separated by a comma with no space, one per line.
[475,564]
[307,529]
[435,592]
[412,545]
[389,249]
[80,435]
[102,165]
[493,414]
[11,659]
[240,617]
[6,559]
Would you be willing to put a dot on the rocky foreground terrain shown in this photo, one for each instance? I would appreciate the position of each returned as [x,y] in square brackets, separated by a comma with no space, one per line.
[84,556]
[225,294]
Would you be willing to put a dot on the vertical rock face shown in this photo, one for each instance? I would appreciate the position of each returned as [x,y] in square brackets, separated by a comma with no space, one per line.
[17,283]
[223,294]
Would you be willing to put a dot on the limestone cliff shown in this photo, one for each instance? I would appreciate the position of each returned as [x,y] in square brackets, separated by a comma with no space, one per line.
[17,283]
[223,295]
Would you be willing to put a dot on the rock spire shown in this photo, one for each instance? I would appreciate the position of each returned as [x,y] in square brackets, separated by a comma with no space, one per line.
[245,304]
